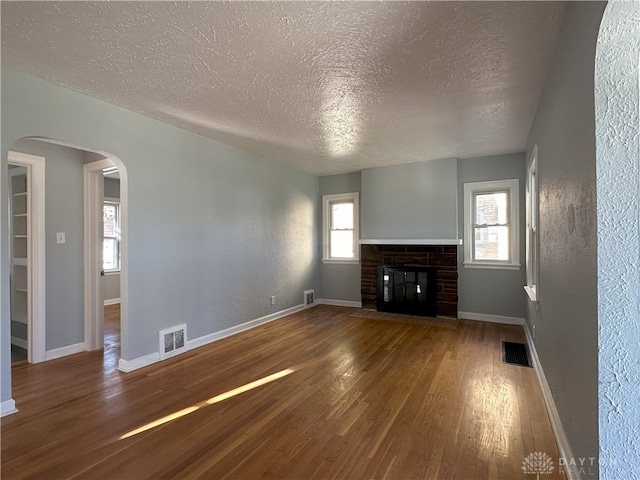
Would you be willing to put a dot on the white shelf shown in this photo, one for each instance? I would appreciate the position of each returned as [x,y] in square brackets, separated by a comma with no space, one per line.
[22,290]
[20,318]
[411,241]
[20,215]
[19,236]
[20,194]
[20,262]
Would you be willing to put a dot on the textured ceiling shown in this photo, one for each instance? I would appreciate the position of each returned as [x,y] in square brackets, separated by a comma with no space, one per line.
[328,87]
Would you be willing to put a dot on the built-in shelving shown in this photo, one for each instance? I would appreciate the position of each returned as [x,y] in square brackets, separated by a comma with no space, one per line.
[19,250]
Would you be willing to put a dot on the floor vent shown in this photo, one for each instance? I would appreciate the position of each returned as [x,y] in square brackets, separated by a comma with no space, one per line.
[173,341]
[308,298]
[515,354]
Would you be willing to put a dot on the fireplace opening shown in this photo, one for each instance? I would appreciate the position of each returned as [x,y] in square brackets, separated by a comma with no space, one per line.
[410,289]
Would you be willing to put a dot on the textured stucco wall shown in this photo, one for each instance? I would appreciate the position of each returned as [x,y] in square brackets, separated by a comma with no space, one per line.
[617,103]
[565,320]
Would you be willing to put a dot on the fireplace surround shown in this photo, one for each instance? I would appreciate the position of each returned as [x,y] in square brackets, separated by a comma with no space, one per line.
[443,258]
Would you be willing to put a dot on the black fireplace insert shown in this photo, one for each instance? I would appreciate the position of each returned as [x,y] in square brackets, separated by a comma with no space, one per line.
[409,289]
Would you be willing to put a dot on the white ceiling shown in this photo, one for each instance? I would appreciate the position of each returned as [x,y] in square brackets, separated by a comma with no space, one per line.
[328,87]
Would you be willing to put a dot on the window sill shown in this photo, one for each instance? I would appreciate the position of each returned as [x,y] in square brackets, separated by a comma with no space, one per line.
[532,293]
[340,261]
[493,266]
[108,273]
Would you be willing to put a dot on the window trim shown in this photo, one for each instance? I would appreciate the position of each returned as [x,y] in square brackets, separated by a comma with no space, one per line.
[327,200]
[510,186]
[116,201]
[532,232]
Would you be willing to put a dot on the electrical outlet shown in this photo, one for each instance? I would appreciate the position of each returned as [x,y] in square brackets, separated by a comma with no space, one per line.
[273,299]
[60,237]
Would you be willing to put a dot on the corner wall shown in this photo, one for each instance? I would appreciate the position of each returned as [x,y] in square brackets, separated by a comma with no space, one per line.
[564,320]
[618,172]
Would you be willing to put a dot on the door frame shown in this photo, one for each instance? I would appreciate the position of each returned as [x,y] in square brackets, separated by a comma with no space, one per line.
[93,235]
[36,253]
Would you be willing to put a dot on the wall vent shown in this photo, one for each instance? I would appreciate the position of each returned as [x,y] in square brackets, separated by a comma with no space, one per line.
[308,298]
[173,341]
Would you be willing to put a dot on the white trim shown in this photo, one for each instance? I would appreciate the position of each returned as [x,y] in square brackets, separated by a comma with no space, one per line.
[19,342]
[554,417]
[93,235]
[8,407]
[110,273]
[470,190]
[339,303]
[484,317]
[532,245]
[136,363]
[36,256]
[532,293]
[127,366]
[212,337]
[112,301]
[64,351]
[327,200]
[492,266]
[337,261]
[411,241]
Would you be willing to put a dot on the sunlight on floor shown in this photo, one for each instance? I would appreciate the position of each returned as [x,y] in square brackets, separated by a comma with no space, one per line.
[211,401]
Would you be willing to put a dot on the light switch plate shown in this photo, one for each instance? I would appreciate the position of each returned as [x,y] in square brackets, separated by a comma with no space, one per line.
[60,237]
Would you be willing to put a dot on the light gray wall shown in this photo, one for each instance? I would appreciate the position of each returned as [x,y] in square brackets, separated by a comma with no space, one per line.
[111,281]
[565,319]
[339,282]
[112,187]
[65,262]
[617,102]
[229,230]
[488,291]
[418,200]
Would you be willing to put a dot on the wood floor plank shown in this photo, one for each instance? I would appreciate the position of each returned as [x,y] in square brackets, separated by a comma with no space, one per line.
[364,398]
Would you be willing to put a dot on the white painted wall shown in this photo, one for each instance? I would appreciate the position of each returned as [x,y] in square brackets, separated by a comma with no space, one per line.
[617,101]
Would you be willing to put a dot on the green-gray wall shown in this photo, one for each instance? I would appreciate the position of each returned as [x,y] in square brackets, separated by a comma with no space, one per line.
[213,231]
[565,318]
[487,291]
[339,281]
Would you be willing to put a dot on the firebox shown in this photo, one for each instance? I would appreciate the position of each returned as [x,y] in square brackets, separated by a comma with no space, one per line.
[409,289]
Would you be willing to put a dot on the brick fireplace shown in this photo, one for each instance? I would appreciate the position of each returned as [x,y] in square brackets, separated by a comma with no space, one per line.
[443,258]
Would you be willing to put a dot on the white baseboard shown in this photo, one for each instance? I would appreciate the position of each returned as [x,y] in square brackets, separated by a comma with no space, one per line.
[483,317]
[19,342]
[338,303]
[112,301]
[64,351]
[136,363]
[552,411]
[8,407]
[127,366]
[212,337]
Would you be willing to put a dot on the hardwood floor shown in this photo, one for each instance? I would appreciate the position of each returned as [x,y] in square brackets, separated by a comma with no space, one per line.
[365,399]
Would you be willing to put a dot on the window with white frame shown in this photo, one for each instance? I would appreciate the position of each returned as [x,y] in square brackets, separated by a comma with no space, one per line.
[491,221]
[111,240]
[340,228]
[532,226]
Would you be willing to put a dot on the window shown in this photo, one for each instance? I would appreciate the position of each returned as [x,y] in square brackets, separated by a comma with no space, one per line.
[491,225]
[340,228]
[111,241]
[532,227]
